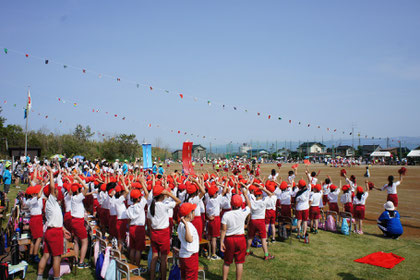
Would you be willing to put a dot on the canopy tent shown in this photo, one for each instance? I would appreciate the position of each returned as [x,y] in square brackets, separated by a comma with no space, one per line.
[380,154]
[414,153]
[78,157]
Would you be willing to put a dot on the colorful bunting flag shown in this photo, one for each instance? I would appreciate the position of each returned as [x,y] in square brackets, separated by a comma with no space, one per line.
[64,66]
[151,88]
[269,116]
[234,108]
[5,50]
[258,114]
[27,55]
[46,61]
[290,121]
[118,80]
[181,95]
[209,103]
[84,71]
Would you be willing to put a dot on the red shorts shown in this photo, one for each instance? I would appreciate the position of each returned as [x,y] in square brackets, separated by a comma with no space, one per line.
[137,238]
[54,241]
[78,227]
[270,217]
[302,215]
[67,220]
[393,198]
[324,200]
[359,212]
[160,240]
[348,207]
[112,225]
[286,210]
[189,267]
[314,213]
[257,226]
[235,249]
[213,227]
[121,226]
[334,207]
[36,226]
[198,224]
[95,204]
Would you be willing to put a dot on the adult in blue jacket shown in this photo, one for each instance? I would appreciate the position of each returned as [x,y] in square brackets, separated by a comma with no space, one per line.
[7,178]
[389,221]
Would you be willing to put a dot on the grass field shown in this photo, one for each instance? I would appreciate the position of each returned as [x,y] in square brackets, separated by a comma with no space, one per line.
[329,255]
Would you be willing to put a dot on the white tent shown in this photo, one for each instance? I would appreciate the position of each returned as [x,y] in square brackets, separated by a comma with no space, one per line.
[414,153]
[380,154]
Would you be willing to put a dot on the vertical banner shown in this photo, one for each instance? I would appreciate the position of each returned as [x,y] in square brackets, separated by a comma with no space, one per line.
[186,158]
[147,156]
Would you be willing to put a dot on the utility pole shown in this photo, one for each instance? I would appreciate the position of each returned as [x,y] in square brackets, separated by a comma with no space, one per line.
[387,142]
[352,135]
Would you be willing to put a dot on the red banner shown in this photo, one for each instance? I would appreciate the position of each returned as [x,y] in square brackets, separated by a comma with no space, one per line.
[186,158]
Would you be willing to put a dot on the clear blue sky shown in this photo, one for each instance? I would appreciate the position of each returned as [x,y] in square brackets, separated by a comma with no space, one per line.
[329,63]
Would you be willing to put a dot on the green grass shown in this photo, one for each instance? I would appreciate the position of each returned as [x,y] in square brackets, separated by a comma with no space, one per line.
[327,256]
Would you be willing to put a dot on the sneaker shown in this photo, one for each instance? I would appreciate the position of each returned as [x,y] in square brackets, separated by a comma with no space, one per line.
[269,257]
[298,236]
[82,265]
[215,257]
[139,271]
[273,240]
[360,232]
[315,231]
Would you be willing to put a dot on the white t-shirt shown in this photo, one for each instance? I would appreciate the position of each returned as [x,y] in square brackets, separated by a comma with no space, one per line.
[161,218]
[53,213]
[67,202]
[77,208]
[277,193]
[35,206]
[391,189]
[315,198]
[302,201]
[333,196]
[326,189]
[257,208]
[271,202]
[106,204]
[120,208]
[112,209]
[196,200]
[213,206]
[273,178]
[235,221]
[362,200]
[312,180]
[286,197]
[225,202]
[346,198]
[188,249]
[136,213]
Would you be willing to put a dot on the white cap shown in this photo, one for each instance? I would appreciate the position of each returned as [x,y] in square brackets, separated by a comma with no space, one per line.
[389,206]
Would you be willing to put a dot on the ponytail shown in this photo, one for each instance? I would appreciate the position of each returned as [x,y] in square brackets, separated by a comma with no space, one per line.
[152,207]
[359,195]
[390,181]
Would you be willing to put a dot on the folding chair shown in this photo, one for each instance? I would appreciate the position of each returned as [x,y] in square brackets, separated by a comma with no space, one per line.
[124,270]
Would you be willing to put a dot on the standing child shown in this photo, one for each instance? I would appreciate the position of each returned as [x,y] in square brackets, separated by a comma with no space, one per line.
[213,215]
[35,204]
[359,206]
[346,199]
[190,244]
[158,224]
[232,238]
[270,211]
[302,209]
[285,200]
[314,210]
[333,199]
[391,188]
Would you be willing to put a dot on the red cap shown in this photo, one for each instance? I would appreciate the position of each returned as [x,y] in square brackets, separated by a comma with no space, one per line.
[182,187]
[186,209]
[212,190]
[359,189]
[345,188]
[191,188]
[110,191]
[236,200]
[157,190]
[74,187]
[333,187]
[47,190]
[271,187]
[135,193]
[30,190]
[318,187]
[258,192]
[302,183]
[283,185]
[118,188]
[103,187]
[136,185]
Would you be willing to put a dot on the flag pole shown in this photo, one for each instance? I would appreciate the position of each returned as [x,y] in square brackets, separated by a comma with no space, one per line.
[26,129]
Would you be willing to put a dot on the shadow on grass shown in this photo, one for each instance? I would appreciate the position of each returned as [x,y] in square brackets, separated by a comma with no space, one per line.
[348,276]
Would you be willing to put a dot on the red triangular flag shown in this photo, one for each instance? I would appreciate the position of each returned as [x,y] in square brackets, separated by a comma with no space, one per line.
[84,71]
[27,55]
[115,115]
[269,116]
[258,114]
[118,80]
[290,121]
[181,95]
[179,132]
[151,88]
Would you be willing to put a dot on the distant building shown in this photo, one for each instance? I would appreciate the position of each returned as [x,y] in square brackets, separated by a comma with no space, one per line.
[244,149]
[283,152]
[257,153]
[311,148]
[366,150]
[344,151]
[198,152]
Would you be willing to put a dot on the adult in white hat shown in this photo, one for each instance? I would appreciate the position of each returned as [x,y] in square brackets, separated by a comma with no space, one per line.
[389,221]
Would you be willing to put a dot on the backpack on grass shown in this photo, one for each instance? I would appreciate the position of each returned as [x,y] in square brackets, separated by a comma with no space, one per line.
[330,224]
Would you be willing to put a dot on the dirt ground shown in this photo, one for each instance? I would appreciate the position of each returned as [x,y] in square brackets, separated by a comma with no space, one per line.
[408,191]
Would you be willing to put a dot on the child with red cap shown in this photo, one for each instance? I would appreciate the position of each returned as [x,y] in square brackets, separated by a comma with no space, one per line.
[121,209]
[54,235]
[232,238]
[190,243]
[195,194]
[158,224]
[78,191]
[347,199]
[213,202]
[270,210]
[326,191]
[333,198]
[302,208]
[286,200]
[137,232]
[315,199]
[257,222]
[35,204]
[359,206]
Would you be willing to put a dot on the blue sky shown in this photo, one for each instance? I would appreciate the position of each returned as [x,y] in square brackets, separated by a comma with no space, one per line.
[336,64]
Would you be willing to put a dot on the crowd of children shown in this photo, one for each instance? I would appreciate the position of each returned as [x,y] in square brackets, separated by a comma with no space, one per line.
[214,206]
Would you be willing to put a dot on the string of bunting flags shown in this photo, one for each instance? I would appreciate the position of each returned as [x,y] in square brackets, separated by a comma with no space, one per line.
[182,95]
